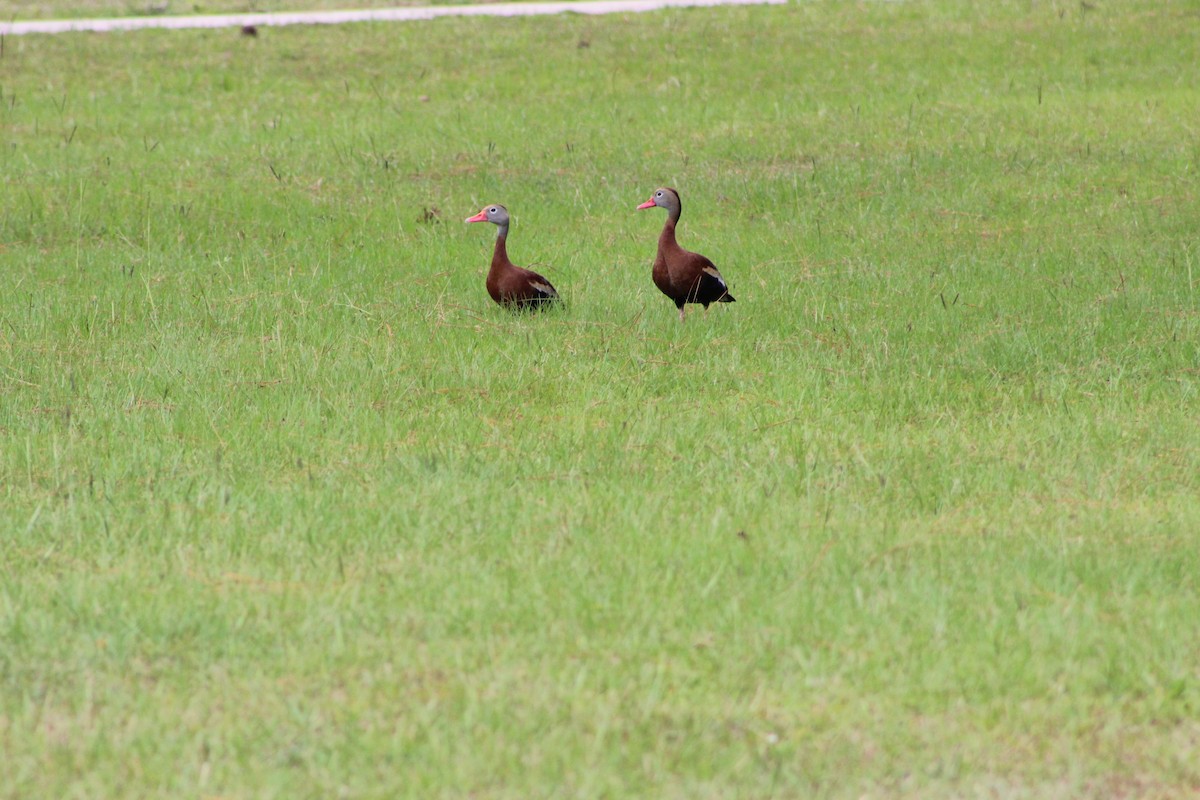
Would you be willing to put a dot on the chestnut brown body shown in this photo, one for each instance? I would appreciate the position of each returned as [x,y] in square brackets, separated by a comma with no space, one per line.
[516,287]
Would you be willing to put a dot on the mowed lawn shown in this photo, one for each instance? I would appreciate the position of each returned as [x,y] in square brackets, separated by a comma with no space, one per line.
[290,508]
[21,10]
[76,9]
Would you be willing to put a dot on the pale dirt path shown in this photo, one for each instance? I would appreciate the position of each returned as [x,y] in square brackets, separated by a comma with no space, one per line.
[366,15]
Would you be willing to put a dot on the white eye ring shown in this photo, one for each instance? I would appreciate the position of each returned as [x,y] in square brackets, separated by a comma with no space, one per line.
[492,210]
[658,194]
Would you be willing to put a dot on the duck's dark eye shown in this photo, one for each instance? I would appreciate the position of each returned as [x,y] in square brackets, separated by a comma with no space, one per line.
[658,194]
[492,210]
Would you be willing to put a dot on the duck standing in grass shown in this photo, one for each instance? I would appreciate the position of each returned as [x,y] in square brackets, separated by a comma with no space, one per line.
[682,275]
[509,285]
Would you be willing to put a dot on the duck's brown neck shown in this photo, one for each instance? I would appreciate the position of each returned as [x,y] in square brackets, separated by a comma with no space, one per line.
[500,253]
[667,237]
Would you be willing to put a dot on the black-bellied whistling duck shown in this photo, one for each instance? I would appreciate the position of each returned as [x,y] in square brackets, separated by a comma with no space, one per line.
[509,285]
[682,275]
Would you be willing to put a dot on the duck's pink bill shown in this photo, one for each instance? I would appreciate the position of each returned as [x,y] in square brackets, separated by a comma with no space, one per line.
[648,204]
[480,217]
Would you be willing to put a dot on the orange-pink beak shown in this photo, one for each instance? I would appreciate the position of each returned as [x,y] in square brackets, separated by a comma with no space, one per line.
[648,204]
[480,217]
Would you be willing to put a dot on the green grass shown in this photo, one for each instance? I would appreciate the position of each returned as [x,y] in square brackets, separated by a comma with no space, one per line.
[291,509]
[84,9]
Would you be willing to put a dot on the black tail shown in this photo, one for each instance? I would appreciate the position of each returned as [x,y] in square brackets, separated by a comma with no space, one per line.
[726,298]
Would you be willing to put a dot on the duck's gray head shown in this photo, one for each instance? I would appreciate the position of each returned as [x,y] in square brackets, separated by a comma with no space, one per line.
[664,197]
[495,214]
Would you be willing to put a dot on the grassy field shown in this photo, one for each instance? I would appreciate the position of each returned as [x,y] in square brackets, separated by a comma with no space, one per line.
[76,9]
[291,509]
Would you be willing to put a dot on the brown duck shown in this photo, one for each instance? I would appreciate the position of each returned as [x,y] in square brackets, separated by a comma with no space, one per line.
[509,285]
[682,275]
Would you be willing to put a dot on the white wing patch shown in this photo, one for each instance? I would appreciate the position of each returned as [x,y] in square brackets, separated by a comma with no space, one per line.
[544,288]
[713,271]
